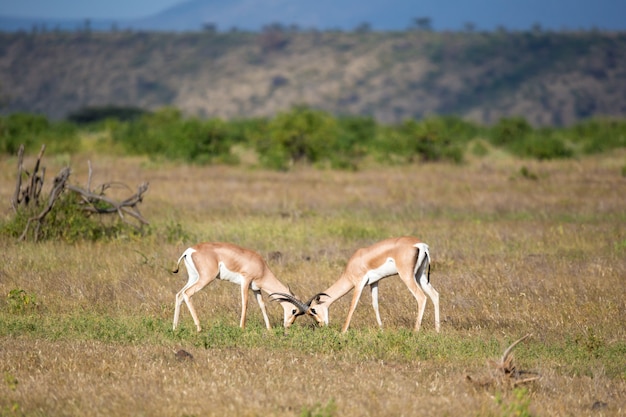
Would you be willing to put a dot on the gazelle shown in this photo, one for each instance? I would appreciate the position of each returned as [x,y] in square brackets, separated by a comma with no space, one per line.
[404,256]
[206,262]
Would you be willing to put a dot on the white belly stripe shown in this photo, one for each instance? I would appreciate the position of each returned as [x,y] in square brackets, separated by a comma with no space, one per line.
[228,275]
[234,277]
[385,270]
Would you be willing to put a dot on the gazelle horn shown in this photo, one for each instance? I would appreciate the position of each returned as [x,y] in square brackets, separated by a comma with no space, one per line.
[281,296]
[316,298]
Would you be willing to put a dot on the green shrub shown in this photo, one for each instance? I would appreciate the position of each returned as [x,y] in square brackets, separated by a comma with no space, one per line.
[509,131]
[300,135]
[19,301]
[167,134]
[542,147]
[479,149]
[304,134]
[430,140]
[34,130]
[66,221]
[354,137]
[598,135]
[21,128]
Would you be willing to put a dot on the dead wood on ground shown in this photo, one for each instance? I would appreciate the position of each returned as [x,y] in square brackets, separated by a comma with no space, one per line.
[504,373]
[27,195]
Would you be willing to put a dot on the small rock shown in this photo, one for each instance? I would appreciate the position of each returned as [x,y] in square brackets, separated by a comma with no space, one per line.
[183,355]
[598,405]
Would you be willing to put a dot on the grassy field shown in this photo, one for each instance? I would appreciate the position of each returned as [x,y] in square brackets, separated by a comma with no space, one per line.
[518,247]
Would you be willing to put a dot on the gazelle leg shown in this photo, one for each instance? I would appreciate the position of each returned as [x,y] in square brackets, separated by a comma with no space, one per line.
[179,302]
[421,307]
[374,288]
[192,310]
[244,305]
[355,300]
[406,275]
[259,299]
[434,296]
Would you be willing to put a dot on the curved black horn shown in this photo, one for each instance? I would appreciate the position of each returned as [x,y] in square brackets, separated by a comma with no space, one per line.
[289,298]
[316,298]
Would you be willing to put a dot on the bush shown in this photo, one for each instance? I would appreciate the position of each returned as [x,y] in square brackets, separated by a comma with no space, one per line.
[300,135]
[34,130]
[19,301]
[509,131]
[355,137]
[67,221]
[166,134]
[307,135]
[598,135]
[542,147]
[429,140]
[21,128]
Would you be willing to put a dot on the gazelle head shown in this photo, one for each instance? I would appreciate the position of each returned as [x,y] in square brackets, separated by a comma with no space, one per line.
[299,307]
[292,306]
[317,309]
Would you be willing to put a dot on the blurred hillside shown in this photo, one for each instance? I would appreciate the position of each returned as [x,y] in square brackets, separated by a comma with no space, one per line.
[549,78]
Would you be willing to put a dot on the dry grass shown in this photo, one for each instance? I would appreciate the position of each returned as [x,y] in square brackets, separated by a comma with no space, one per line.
[511,256]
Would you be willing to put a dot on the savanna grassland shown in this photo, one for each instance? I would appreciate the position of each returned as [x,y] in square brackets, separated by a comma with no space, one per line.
[518,247]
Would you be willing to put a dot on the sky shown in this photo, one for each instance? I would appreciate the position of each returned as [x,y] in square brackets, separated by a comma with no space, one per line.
[80,9]
[486,14]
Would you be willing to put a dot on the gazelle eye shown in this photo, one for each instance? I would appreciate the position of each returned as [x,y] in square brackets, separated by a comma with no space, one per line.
[294,311]
[313,311]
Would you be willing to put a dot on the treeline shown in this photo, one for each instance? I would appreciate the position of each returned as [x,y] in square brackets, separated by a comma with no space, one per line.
[302,135]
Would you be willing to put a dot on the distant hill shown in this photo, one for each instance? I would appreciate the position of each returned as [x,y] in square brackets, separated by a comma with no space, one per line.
[387,15]
[249,15]
[549,78]
[254,15]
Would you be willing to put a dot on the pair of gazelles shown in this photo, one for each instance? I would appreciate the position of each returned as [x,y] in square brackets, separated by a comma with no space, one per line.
[406,257]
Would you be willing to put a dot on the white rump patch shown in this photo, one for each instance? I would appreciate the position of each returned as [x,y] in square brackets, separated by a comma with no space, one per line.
[192,271]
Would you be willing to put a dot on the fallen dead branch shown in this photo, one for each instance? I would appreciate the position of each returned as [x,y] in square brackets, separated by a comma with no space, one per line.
[504,372]
[93,202]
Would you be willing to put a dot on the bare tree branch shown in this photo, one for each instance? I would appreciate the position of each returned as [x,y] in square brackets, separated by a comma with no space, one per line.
[15,200]
[57,189]
[93,202]
[128,206]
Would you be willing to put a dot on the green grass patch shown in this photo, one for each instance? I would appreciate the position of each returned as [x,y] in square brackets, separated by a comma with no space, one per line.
[579,355]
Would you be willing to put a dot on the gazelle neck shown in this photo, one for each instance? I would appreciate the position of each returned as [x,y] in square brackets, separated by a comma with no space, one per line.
[340,288]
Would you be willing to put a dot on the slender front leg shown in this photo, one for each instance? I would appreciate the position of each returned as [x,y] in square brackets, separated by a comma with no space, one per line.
[355,300]
[244,305]
[259,299]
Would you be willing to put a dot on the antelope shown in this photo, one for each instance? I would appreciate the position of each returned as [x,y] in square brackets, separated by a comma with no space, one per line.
[206,262]
[404,256]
